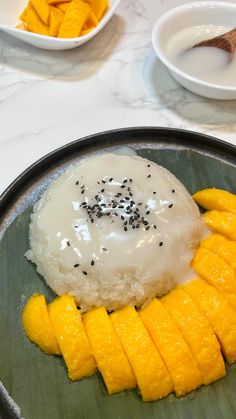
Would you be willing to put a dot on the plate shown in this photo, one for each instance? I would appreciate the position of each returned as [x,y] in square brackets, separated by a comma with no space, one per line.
[38,383]
[9,19]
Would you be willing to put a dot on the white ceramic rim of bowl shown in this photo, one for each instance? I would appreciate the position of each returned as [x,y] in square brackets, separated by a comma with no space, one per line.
[164,19]
[65,42]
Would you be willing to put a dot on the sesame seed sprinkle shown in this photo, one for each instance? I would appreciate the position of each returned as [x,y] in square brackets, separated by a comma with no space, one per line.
[76,265]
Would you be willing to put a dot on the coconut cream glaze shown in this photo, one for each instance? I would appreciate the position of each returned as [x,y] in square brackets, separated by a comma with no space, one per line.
[114,230]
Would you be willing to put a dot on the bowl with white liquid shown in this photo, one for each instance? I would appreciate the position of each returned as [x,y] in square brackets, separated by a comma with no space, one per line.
[206,71]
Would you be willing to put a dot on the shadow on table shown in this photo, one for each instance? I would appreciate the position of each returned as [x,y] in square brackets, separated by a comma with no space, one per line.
[75,64]
[170,95]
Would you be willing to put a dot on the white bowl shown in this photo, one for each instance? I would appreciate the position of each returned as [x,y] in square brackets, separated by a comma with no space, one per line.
[183,17]
[10,10]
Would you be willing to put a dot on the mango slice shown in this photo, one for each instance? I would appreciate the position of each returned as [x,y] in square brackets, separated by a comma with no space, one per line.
[42,9]
[152,376]
[109,354]
[219,313]
[197,332]
[37,325]
[34,23]
[216,199]
[71,336]
[216,271]
[221,222]
[56,18]
[174,350]
[57,2]
[75,17]
[62,6]
[25,11]
[222,247]
[99,7]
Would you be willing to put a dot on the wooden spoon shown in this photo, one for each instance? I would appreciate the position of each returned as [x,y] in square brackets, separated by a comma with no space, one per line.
[227,42]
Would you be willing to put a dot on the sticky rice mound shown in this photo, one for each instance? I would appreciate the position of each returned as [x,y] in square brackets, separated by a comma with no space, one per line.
[114,230]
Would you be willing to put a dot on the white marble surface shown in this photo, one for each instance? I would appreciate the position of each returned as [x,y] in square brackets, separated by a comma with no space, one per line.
[48,99]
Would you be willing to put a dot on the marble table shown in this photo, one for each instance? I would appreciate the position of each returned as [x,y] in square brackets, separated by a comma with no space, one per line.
[48,99]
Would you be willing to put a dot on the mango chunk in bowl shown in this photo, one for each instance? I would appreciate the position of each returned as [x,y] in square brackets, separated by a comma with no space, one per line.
[55,24]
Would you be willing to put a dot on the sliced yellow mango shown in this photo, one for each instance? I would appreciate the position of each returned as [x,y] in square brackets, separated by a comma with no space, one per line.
[219,313]
[56,18]
[217,272]
[37,325]
[222,247]
[197,332]
[222,222]
[216,199]
[71,336]
[152,376]
[42,9]
[85,31]
[75,17]
[34,23]
[174,350]
[58,2]
[21,26]
[109,354]
[62,6]
[99,7]
[25,11]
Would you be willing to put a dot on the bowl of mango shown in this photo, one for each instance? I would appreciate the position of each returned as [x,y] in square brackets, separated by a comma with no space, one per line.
[56,24]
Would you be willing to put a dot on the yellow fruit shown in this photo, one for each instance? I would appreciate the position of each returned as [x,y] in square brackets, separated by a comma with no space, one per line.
[75,17]
[56,18]
[222,247]
[153,379]
[219,313]
[73,341]
[99,7]
[217,272]
[174,350]
[222,222]
[216,199]
[34,23]
[37,325]
[109,354]
[42,9]
[197,332]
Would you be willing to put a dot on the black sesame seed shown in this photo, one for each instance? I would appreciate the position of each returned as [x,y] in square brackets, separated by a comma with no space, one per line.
[76,265]
[160,244]
[148,176]
[68,243]
[140,203]
[170,206]
[130,194]
[127,198]
[104,249]
[148,165]
[154,193]
[122,186]
[102,190]
[77,182]
[82,187]
[122,217]
[92,262]
[111,179]
[133,226]
[98,182]
[125,228]
[137,225]
[173,191]
[154,226]
[147,212]
[82,191]
[103,181]
[147,228]
[131,180]
[85,273]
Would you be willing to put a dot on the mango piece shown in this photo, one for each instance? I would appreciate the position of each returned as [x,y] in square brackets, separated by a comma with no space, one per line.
[222,247]
[85,31]
[71,336]
[174,350]
[34,23]
[25,11]
[216,271]
[42,9]
[37,325]
[197,332]
[221,222]
[21,26]
[109,354]
[56,18]
[75,17]
[63,6]
[99,7]
[219,313]
[216,199]
[153,379]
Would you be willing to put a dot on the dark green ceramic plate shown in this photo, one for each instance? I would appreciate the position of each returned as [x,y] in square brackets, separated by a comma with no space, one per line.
[38,383]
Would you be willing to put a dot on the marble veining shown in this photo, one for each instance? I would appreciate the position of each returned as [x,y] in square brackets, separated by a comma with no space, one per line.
[49,98]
